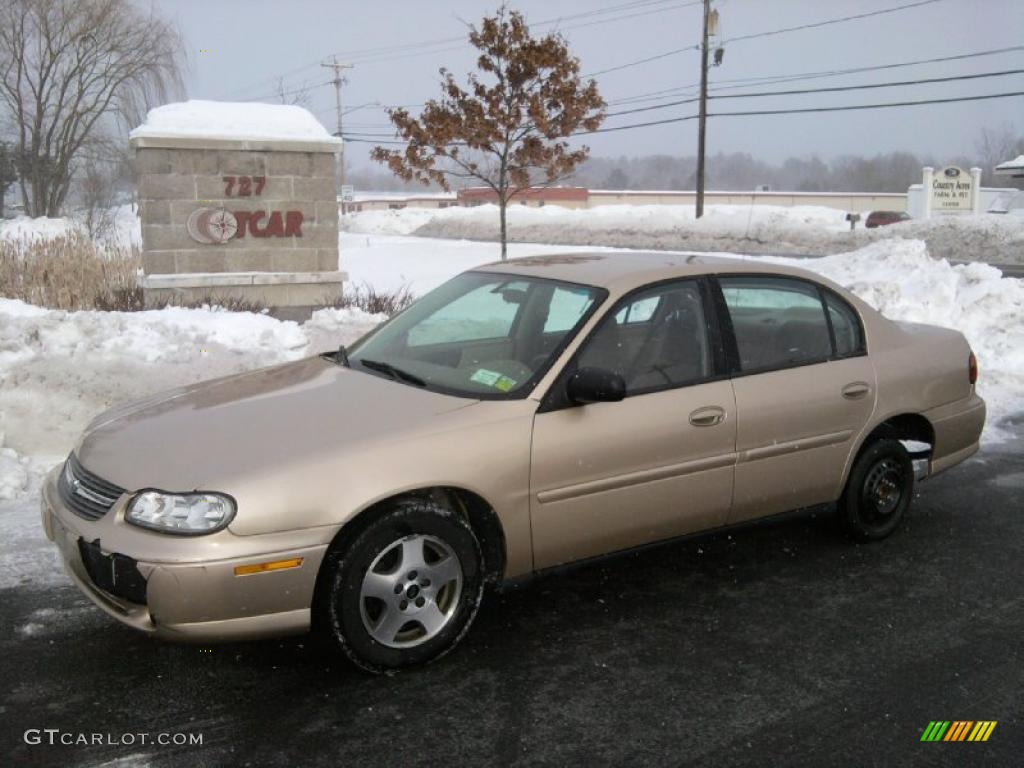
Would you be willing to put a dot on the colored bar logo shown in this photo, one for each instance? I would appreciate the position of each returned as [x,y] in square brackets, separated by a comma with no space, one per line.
[958,730]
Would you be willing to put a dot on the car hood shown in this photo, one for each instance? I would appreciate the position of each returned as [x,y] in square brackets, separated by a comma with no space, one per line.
[204,436]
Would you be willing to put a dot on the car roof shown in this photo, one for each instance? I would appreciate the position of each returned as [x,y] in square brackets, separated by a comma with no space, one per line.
[621,271]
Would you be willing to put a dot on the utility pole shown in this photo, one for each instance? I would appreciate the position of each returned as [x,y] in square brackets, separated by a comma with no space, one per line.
[703,113]
[338,81]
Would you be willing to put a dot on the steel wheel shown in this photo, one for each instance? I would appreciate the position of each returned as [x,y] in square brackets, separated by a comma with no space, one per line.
[882,491]
[878,490]
[410,591]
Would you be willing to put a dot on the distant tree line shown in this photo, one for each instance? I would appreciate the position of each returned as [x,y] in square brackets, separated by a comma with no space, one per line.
[735,171]
[741,171]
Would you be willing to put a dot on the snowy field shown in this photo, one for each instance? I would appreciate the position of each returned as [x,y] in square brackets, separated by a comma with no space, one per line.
[58,369]
[806,230]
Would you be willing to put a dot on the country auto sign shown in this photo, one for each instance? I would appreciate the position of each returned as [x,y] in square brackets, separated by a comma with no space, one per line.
[217,225]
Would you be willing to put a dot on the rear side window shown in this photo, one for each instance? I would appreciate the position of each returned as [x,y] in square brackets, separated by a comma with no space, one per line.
[778,322]
[845,326]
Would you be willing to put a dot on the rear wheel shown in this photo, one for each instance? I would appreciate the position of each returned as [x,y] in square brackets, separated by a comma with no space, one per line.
[406,589]
[878,491]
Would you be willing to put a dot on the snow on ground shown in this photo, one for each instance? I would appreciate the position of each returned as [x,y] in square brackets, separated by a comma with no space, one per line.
[58,369]
[233,120]
[806,230]
[41,228]
[126,229]
[389,262]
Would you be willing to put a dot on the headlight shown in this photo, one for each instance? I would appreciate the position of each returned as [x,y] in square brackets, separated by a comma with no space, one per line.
[186,514]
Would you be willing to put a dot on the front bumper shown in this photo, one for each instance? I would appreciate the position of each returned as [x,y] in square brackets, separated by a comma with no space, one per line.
[190,587]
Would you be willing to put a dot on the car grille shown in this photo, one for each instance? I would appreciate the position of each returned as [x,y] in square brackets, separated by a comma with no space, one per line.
[85,494]
[117,574]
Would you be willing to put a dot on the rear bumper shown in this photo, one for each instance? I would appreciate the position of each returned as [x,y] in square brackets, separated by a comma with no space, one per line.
[200,600]
[958,428]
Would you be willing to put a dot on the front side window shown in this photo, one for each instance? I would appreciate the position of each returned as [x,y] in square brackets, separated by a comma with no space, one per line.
[778,322]
[655,339]
[480,334]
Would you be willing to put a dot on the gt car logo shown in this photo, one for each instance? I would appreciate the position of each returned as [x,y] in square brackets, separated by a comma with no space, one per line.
[211,226]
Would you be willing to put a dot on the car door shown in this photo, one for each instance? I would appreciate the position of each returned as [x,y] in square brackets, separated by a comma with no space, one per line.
[613,475]
[804,390]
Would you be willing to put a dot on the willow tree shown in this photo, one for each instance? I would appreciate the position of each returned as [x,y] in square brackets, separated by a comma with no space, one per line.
[67,67]
[508,128]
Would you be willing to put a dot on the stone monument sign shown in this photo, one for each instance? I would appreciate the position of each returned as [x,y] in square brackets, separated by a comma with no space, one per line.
[238,201]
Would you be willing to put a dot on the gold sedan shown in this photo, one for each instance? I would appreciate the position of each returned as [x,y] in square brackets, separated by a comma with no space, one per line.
[523,415]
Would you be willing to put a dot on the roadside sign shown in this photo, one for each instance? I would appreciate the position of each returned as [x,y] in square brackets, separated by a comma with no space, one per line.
[952,190]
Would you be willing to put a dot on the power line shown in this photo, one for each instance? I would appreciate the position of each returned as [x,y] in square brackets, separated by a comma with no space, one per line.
[796,76]
[750,113]
[815,25]
[684,118]
[836,88]
[869,106]
[696,46]
[767,79]
[831,89]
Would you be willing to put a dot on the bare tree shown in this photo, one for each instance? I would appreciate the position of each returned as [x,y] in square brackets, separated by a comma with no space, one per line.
[8,172]
[508,127]
[995,146]
[67,65]
[296,96]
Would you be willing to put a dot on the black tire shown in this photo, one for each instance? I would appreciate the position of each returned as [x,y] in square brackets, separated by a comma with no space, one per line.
[878,491]
[350,616]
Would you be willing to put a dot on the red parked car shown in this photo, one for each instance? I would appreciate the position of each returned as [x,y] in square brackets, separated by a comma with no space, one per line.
[884,218]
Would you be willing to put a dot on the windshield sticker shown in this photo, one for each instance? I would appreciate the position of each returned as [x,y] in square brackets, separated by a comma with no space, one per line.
[504,384]
[483,376]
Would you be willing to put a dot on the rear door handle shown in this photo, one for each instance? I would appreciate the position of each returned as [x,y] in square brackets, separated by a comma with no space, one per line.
[856,390]
[707,416]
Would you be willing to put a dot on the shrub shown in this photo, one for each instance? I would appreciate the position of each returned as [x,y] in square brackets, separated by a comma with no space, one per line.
[374,301]
[70,272]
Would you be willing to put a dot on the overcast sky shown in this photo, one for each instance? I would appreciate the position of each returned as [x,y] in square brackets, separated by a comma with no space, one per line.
[239,48]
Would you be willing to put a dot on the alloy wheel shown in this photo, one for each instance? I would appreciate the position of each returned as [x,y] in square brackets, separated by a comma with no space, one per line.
[410,591]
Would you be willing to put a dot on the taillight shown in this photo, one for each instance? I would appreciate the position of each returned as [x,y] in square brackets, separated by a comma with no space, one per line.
[972,368]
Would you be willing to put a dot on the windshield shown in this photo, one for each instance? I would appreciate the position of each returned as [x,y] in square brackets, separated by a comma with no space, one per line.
[480,334]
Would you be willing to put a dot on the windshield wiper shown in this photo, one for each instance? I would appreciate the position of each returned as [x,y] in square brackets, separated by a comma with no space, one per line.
[396,373]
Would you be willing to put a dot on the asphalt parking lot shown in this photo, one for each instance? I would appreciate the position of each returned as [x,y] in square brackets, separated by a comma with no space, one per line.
[777,645]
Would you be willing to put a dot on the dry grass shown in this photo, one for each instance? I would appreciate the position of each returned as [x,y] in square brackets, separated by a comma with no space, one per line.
[369,299]
[70,272]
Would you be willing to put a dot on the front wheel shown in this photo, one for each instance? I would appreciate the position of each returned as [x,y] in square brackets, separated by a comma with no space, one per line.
[405,591]
[878,491]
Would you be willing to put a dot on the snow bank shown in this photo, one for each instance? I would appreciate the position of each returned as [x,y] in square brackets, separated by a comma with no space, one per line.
[41,228]
[126,228]
[58,369]
[232,120]
[806,230]
[403,221]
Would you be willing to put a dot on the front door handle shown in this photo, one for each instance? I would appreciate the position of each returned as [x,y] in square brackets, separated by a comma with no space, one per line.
[856,390]
[707,416]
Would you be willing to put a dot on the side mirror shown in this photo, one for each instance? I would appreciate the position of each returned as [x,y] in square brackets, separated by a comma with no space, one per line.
[596,385]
